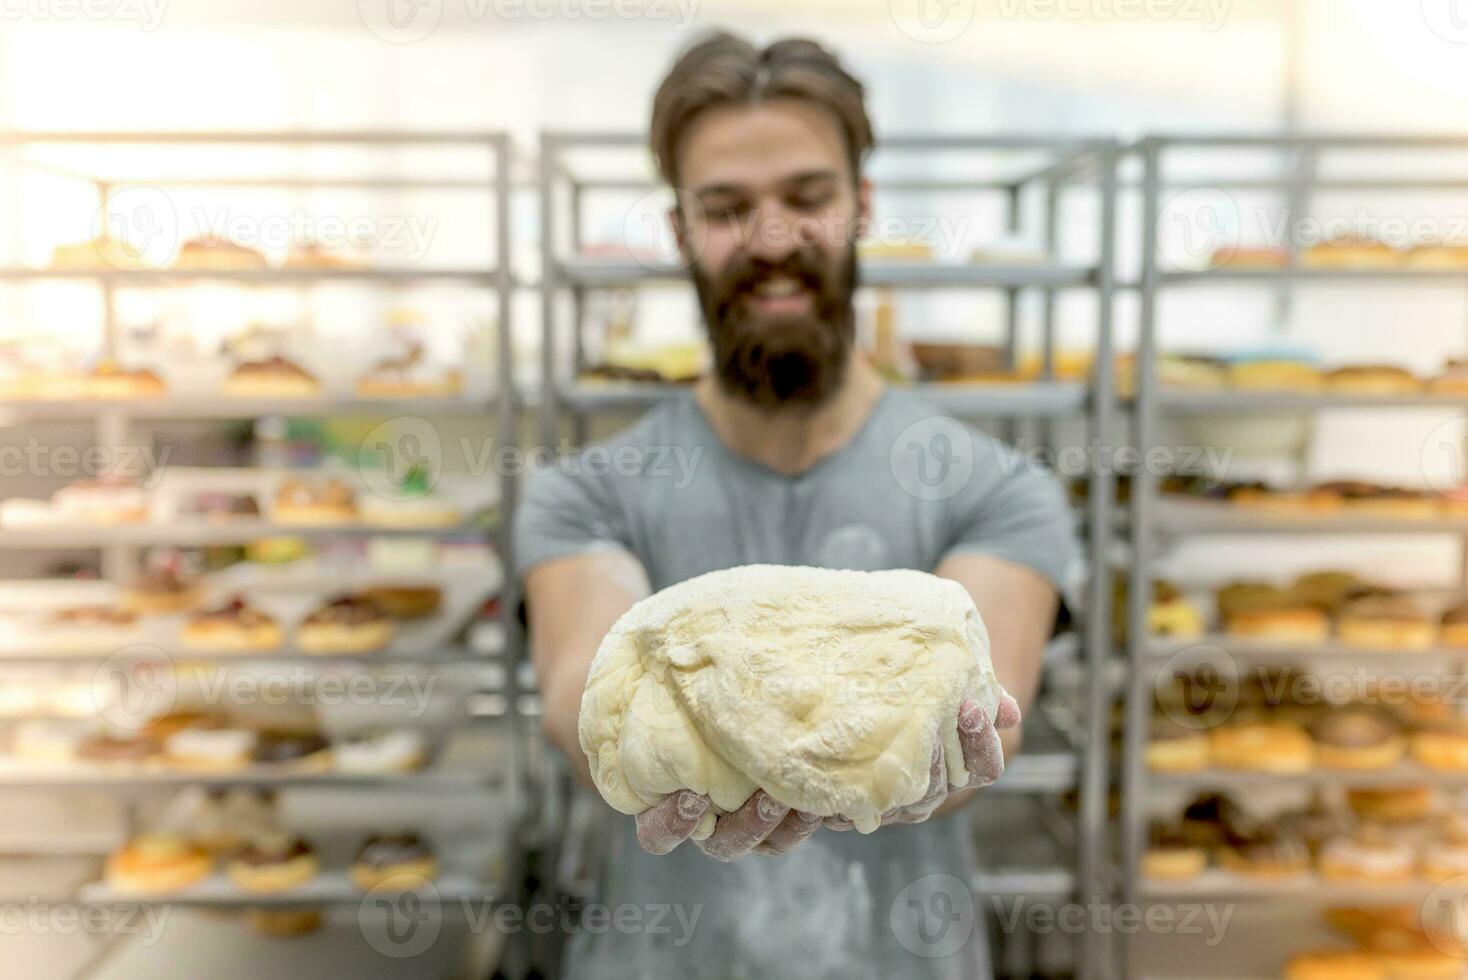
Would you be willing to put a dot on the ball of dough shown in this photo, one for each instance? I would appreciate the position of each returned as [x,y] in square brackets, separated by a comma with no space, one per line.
[827,689]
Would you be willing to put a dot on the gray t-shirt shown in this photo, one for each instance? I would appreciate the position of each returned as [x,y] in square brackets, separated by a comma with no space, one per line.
[912,487]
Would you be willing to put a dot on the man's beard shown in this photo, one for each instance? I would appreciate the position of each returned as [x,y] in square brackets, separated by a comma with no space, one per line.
[781,361]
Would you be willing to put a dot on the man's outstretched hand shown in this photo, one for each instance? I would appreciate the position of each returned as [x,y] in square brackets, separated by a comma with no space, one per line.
[765,826]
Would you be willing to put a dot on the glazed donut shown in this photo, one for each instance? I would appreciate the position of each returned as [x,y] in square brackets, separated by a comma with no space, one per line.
[1347,739]
[1262,747]
[1442,745]
[273,863]
[404,859]
[154,863]
[1369,856]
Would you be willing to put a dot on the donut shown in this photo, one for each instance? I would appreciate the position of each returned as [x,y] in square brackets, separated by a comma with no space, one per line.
[301,751]
[1357,739]
[402,860]
[156,863]
[345,624]
[1385,623]
[1176,748]
[1262,851]
[208,750]
[274,377]
[1373,379]
[314,502]
[1453,628]
[406,601]
[1405,804]
[391,750]
[1442,745]
[1280,747]
[273,863]
[235,627]
[161,592]
[1170,856]
[117,749]
[1333,965]
[1209,818]
[1368,856]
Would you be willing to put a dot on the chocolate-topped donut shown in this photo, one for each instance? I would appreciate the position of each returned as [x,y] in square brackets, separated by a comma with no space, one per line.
[386,850]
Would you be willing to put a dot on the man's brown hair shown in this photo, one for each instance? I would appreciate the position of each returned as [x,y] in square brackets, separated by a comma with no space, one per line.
[725,69]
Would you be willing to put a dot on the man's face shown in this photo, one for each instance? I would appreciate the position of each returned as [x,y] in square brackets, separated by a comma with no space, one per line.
[769,216]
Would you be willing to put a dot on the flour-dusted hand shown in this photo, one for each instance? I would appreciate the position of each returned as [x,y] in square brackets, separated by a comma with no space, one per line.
[983,757]
[762,824]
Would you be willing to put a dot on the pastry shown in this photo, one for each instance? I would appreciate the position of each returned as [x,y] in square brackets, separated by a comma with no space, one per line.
[1191,371]
[100,253]
[161,727]
[1453,380]
[405,601]
[161,592]
[952,362]
[105,500]
[1170,614]
[235,627]
[1442,745]
[1333,965]
[209,750]
[1271,374]
[1385,623]
[156,863]
[389,750]
[274,377]
[1397,502]
[1453,631]
[273,863]
[1262,747]
[49,741]
[1251,257]
[308,501]
[409,376]
[880,251]
[89,626]
[284,923]
[1317,823]
[402,860]
[218,254]
[1368,856]
[1176,748]
[1453,502]
[311,255]
[1257,610]
[1405,804]
[1352,253]
[1311,500]
[1439,256]
[821,626]
[1373,379]
[1263,851]
[108,380]
[345,624]
[425,511]
[1357,739]
[1170,856]
[1208,819]
[1325,590]
[117,749]
[301,751]
[219,506]
[1446,856]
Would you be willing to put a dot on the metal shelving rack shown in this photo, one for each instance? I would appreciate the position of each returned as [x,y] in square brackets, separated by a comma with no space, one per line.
[1148,519]
[1082,767]
[481,711]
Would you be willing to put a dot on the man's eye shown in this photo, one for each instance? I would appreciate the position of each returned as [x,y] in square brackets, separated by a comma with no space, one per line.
[810,202]
[727,212]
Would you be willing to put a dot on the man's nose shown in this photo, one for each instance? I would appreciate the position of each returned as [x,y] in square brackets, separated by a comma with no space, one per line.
[776,234]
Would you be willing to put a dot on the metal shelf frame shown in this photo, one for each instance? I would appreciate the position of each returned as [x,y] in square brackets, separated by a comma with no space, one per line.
[113,419]
[565,270]
[1146,518]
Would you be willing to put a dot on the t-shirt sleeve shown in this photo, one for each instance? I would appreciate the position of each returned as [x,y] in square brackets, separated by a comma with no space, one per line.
[561,515]
[1016,511]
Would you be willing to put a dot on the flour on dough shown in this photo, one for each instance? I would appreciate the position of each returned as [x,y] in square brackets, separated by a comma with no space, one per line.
[827,689]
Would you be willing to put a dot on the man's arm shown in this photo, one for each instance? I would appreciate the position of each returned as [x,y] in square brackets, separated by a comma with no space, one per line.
[572,602]
[1018,606]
